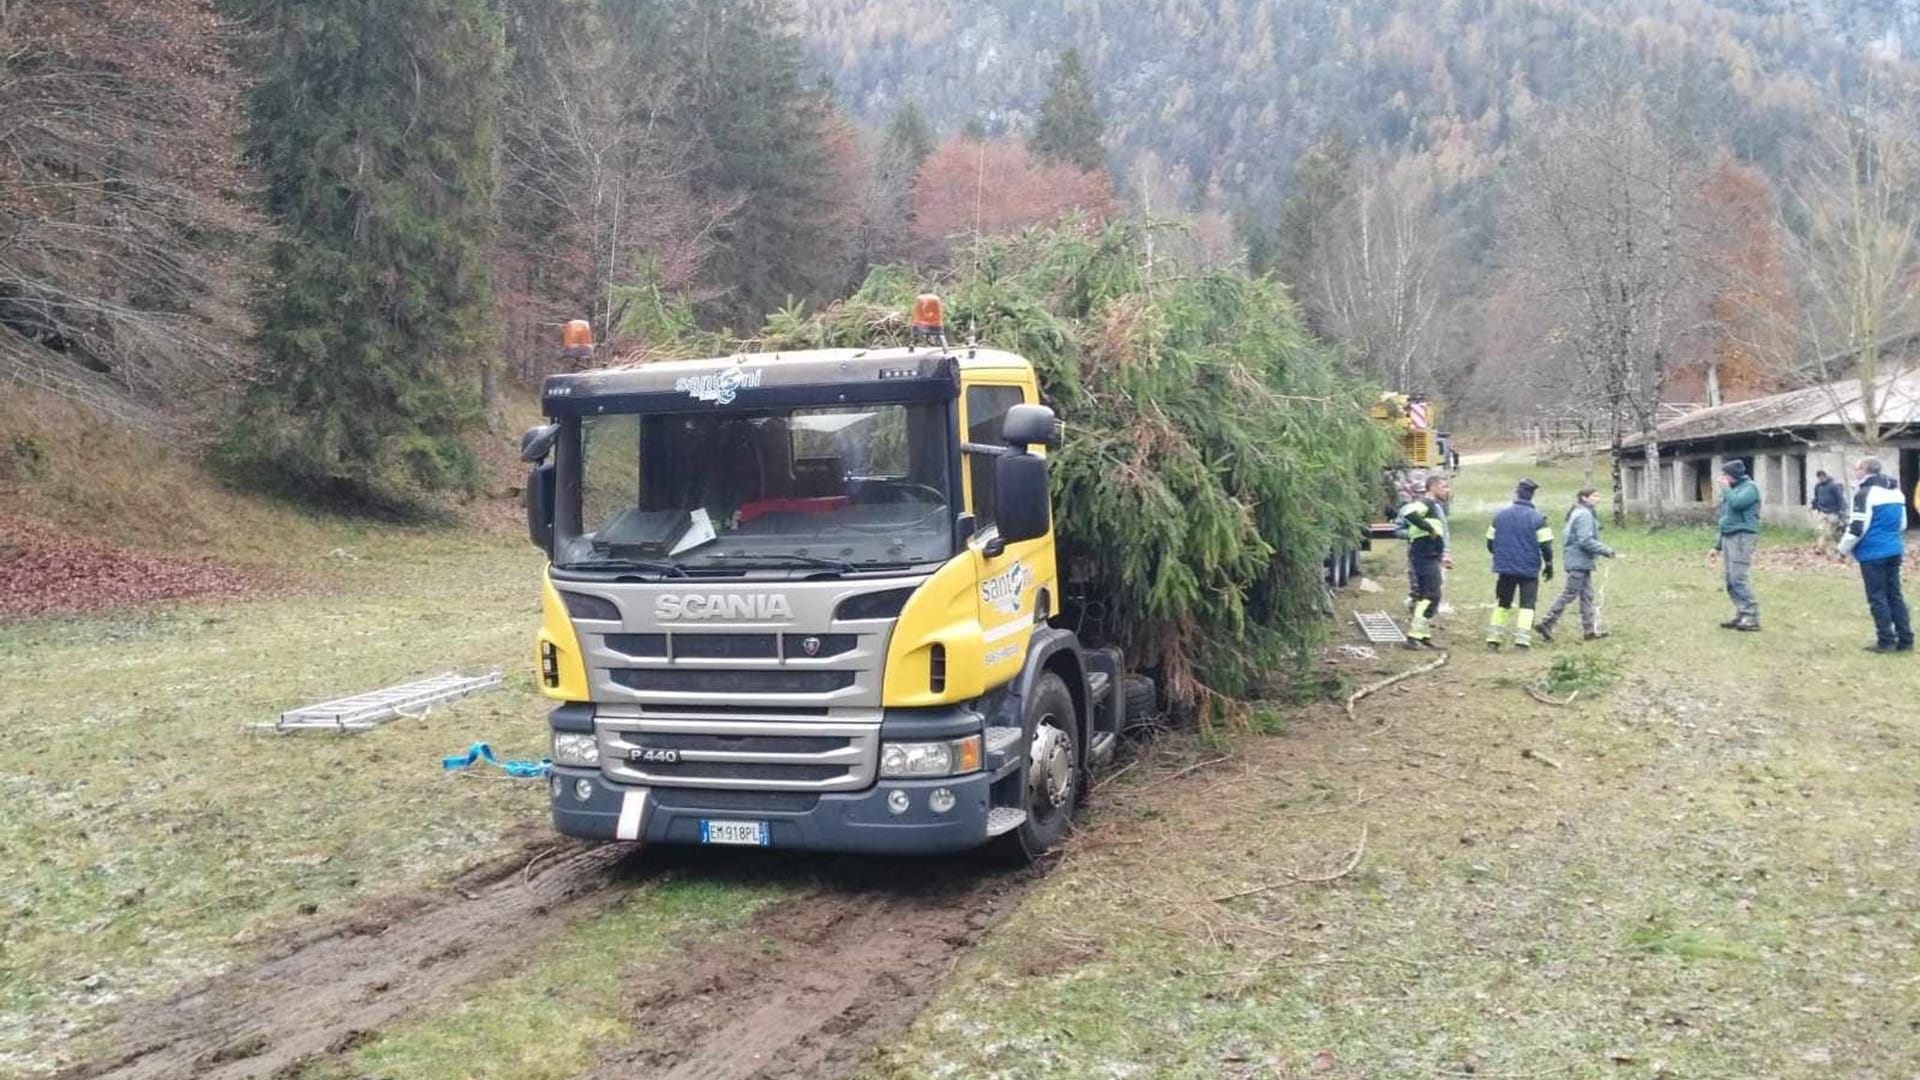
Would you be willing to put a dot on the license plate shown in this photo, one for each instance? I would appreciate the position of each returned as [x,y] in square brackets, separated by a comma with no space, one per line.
[648,755]
[751,833]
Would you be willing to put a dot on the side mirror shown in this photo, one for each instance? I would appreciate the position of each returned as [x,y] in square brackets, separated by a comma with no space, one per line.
[1028,424]
[540,488]
[537,442]
[1021,506]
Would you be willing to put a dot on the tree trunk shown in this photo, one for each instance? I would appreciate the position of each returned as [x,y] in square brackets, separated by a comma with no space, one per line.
[1657,496]
[490,394]
[1619,492]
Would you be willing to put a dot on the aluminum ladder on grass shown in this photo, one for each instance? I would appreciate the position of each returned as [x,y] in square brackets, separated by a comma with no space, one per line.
[1379,627]
[363,712]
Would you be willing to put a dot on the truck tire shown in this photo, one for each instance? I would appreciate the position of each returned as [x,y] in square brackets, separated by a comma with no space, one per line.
[1053,773]
[1142,701]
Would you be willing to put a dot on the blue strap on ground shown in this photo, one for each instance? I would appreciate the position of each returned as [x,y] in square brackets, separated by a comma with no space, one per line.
[480,752]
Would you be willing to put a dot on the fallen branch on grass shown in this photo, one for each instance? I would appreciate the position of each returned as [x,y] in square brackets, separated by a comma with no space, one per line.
[1545,700]
[1195,767]
[1353,862]
[1535,755]
[1374,688]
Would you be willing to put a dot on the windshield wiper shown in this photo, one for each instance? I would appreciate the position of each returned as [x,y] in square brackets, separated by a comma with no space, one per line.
[841,565]
[650,566]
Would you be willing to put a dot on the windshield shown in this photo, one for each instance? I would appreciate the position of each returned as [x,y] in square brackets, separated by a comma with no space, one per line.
[846,487]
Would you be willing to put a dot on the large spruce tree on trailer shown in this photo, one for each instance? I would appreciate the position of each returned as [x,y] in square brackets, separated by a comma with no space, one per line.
[1213,454]
[373,126]
[1070,128]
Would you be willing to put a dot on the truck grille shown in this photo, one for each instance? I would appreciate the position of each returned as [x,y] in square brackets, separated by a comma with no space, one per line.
[732,681]
[798,755]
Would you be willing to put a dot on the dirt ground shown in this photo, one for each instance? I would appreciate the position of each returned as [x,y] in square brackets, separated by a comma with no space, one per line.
[811,983]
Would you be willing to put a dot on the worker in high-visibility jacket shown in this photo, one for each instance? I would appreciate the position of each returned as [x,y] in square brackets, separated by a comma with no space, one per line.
[1521,543]
[1427,559]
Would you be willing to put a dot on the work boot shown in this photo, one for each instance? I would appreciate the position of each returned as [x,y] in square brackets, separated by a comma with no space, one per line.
[1596,635]
[1522,646]
[1730,624]
[1493,646]
[1545,631]
[1876,647]
[1905,646]
[1750,625]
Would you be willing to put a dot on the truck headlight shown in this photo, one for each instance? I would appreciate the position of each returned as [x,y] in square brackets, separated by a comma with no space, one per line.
[575,749]
[947,758]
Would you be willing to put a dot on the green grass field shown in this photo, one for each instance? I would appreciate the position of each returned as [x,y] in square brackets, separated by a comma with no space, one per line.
[1704,867]
[153,837]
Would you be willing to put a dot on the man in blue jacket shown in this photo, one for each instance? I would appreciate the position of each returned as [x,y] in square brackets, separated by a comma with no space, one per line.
[1522,547]
[1873,539]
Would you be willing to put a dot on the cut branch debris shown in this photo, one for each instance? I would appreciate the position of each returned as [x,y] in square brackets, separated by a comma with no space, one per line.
[1353,863]
[1374,688]
[1546,700]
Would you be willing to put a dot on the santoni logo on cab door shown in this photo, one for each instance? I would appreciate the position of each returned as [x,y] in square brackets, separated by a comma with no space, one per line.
[1003,591]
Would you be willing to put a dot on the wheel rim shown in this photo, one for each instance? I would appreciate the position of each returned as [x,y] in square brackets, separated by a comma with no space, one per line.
[1050,769]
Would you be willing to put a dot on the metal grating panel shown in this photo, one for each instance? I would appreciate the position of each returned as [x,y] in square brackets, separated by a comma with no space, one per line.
[362,712]
[1379,627]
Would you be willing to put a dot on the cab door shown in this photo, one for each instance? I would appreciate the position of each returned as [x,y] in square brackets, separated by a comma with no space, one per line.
[1017,588]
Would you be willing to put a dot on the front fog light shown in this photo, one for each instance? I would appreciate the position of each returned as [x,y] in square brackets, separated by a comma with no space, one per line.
[897,802]
[941,800]
[583,789]
[557,785]
[575,749]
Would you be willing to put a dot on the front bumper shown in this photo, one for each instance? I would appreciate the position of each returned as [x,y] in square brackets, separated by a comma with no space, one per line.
[855,821]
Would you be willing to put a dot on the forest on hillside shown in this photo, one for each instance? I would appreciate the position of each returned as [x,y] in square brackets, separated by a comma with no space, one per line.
[329,235]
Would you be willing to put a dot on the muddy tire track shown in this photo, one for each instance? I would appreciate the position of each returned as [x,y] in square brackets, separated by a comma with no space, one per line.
[327,990]
[812,983]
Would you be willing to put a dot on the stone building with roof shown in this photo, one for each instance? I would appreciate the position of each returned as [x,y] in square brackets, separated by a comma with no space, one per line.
[1783,439]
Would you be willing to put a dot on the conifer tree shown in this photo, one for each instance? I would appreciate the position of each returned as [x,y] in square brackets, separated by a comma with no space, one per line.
[1070,129]
[1213,454]
[373,126]
[759,129]
[909,138]
[1320,184]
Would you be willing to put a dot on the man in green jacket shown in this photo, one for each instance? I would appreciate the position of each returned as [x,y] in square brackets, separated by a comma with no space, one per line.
[1739,533]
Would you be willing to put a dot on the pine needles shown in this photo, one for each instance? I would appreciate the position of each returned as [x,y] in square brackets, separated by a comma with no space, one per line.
[1213,457]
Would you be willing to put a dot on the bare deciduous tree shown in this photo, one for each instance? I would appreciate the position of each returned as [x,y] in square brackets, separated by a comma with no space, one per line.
[1599,233]
[1858,255]
[119,257]
[595,207]
[1387,272]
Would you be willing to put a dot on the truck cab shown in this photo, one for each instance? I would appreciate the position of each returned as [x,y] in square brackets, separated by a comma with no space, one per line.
[806,600]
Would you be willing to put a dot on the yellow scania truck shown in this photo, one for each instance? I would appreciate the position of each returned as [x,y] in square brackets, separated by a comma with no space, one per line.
[811,600]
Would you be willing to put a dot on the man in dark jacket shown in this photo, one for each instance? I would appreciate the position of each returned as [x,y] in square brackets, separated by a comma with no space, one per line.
[1427,559]
[1873,539]
[1829,505]
[1522,547]
[1739,535]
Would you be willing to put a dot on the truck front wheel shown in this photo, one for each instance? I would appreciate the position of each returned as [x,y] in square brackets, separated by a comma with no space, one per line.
[1052,788]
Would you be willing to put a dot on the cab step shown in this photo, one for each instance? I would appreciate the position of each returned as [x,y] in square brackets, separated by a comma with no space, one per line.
[1004,819]
[1104,744]
[1098,683]
[1002,740]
